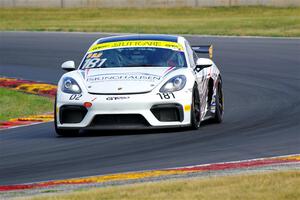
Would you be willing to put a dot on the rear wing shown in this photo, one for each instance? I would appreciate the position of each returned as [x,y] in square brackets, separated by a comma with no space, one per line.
[205,49]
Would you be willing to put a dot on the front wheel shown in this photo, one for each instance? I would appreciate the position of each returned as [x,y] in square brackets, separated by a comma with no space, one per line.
[219,98]
[66,133]
[195,109]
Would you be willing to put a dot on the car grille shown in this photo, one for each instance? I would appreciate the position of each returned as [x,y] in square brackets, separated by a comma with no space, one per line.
[122,120]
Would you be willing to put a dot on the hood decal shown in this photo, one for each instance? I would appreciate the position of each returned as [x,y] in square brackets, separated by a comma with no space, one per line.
[123,77]
[125,80]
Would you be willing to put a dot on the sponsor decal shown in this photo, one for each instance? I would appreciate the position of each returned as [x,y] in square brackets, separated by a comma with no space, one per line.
[116,98]
[94,55]
[123,77]
[136,43]
[187,108]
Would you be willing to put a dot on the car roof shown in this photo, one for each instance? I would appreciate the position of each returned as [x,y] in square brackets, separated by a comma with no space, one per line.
[169,38]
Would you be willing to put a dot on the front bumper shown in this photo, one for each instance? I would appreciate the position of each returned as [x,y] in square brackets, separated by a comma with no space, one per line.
[124,111]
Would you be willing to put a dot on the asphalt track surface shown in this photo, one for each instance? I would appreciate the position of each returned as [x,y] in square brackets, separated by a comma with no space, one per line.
[262,101]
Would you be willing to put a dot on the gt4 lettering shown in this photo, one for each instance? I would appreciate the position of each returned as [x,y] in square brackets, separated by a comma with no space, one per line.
[169,95]
[116,98]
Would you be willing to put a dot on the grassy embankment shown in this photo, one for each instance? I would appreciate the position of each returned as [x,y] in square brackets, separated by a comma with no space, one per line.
[18,104]
[258,21]
[268,186]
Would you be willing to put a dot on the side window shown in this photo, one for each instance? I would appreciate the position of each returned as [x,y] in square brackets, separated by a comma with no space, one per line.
[190,54]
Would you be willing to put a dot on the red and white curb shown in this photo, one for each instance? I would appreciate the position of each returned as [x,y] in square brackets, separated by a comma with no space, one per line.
[31,87]
[172,172]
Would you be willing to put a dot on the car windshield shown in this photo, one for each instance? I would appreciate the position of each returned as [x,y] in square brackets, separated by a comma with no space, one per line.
[134,57]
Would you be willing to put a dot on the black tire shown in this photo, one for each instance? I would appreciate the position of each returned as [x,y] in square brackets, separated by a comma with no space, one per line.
[195,109]
[66,132]
[219,98]
[63,132]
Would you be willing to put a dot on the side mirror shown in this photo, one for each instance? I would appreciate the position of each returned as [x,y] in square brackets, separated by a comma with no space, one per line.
[68,65]
[203,63]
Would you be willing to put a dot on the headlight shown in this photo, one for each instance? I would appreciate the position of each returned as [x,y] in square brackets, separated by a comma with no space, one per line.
[174,84]
[69,85]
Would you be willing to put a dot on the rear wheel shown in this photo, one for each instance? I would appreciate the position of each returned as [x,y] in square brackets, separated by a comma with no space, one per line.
[219,98]
[195,109]
[63,132]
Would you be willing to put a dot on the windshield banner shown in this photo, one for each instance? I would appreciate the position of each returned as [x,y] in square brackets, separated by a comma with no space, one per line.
[136,43]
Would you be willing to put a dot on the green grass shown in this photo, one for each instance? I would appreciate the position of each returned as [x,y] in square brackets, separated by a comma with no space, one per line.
[268,186]
[255,21]
[18,104]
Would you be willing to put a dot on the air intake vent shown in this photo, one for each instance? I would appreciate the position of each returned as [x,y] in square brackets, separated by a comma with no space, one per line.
[72,114]
[168,112]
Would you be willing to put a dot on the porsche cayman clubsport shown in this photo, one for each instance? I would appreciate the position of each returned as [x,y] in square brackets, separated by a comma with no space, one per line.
[139,81]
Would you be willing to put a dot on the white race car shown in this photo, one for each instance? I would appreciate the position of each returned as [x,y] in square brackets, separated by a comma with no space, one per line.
[139,81]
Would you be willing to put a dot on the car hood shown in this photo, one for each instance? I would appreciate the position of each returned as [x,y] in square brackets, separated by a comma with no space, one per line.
[124,80]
